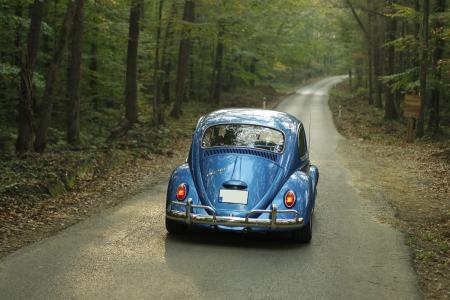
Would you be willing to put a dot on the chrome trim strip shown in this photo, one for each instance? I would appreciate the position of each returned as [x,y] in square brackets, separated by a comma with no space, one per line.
[274,223]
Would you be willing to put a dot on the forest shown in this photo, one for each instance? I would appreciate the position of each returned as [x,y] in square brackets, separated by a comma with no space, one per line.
[402,49]
[75,73]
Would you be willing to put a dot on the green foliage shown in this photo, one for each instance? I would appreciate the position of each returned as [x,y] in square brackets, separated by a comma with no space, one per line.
[404,12]
[404,81]
[8,71]
[406,43]
[276,40]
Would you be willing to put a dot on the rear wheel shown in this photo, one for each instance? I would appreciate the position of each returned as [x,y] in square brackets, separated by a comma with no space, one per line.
[304,234]
[174,227]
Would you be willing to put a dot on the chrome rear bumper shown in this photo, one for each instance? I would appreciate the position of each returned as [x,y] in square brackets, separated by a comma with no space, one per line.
[212,219]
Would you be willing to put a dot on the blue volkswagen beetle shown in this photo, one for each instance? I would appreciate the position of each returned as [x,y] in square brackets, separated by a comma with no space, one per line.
[247,170]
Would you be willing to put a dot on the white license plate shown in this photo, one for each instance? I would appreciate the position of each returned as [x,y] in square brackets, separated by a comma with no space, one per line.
[233,196]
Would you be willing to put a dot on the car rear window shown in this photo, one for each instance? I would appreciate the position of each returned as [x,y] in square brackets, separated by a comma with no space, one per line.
[241,135]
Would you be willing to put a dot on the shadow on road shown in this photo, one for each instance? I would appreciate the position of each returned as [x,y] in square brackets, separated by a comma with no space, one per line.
[275,241]
[233,265]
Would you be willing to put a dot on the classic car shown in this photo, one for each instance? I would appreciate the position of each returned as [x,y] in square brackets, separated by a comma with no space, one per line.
[247,170]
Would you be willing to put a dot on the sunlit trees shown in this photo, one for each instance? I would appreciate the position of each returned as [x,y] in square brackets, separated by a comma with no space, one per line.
[131,88]
[147,58]
[46,108]
[74,76]
[184,53]
[404,55]
[25,112]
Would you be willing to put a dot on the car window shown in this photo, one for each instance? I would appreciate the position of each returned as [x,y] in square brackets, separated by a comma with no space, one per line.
[302,142]
[241,135]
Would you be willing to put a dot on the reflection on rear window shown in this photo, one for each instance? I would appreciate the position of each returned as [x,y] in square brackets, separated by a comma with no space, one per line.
[240,135]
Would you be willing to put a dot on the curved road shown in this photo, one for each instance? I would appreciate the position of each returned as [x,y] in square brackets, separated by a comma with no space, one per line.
[124,253]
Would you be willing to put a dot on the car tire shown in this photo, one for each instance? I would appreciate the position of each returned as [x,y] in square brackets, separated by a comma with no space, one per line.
[304,234]
[175,228]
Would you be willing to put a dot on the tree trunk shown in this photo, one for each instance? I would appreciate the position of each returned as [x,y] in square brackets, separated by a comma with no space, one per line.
[370,74]
[390,112]
[166,58]
[350,79]
[359,74]
[73,112]
[46,108]
[131,111]
[402,58]
[158,116]
[420,130]
[434,120]
[216,81]
[93,64]
[370,53]
[93,80]
[377,61]
[192,90]
[368,35]
[252,70]
[25,110]
[417,24]
[232,80]
[183,61]
[415,59]
[18,40]
[201,77]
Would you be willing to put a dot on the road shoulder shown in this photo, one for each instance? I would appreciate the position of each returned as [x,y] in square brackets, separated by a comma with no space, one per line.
[409,183]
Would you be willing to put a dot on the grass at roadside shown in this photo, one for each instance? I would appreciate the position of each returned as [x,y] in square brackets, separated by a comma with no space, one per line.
[290,88]
[286,88]
[42,194]
[412,178]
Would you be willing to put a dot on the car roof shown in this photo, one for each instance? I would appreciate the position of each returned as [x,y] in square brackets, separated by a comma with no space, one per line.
[268,118]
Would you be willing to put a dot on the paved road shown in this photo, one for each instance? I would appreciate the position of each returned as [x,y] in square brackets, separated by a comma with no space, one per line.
[124,253]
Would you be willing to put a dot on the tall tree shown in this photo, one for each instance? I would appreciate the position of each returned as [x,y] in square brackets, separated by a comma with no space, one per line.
[131,108]
[93,62]
[372,51]
[183,58]
[420,130]
[18,33]
[390,112]
[25,112]
[216,78]
[46,108]
[93,68]
[158,116]
[73,112]
[370,31]
[439,48]
[252,70]
[377,54]
[166,62]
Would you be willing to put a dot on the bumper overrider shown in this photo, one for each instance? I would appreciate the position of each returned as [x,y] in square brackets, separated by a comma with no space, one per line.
[213,219]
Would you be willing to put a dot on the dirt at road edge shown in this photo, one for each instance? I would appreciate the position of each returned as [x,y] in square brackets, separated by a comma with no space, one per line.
[409,183]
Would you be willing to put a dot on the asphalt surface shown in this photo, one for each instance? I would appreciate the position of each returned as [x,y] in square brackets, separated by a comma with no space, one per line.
[124,253]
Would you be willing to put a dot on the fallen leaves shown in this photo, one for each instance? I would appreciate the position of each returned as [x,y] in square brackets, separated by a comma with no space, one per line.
[414,179]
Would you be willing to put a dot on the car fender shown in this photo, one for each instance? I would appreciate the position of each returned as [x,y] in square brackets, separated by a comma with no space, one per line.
[182,174]
[303,187]
[314,174]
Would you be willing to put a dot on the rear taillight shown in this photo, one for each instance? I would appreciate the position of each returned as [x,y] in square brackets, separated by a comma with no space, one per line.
[181,192]
[289,199]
